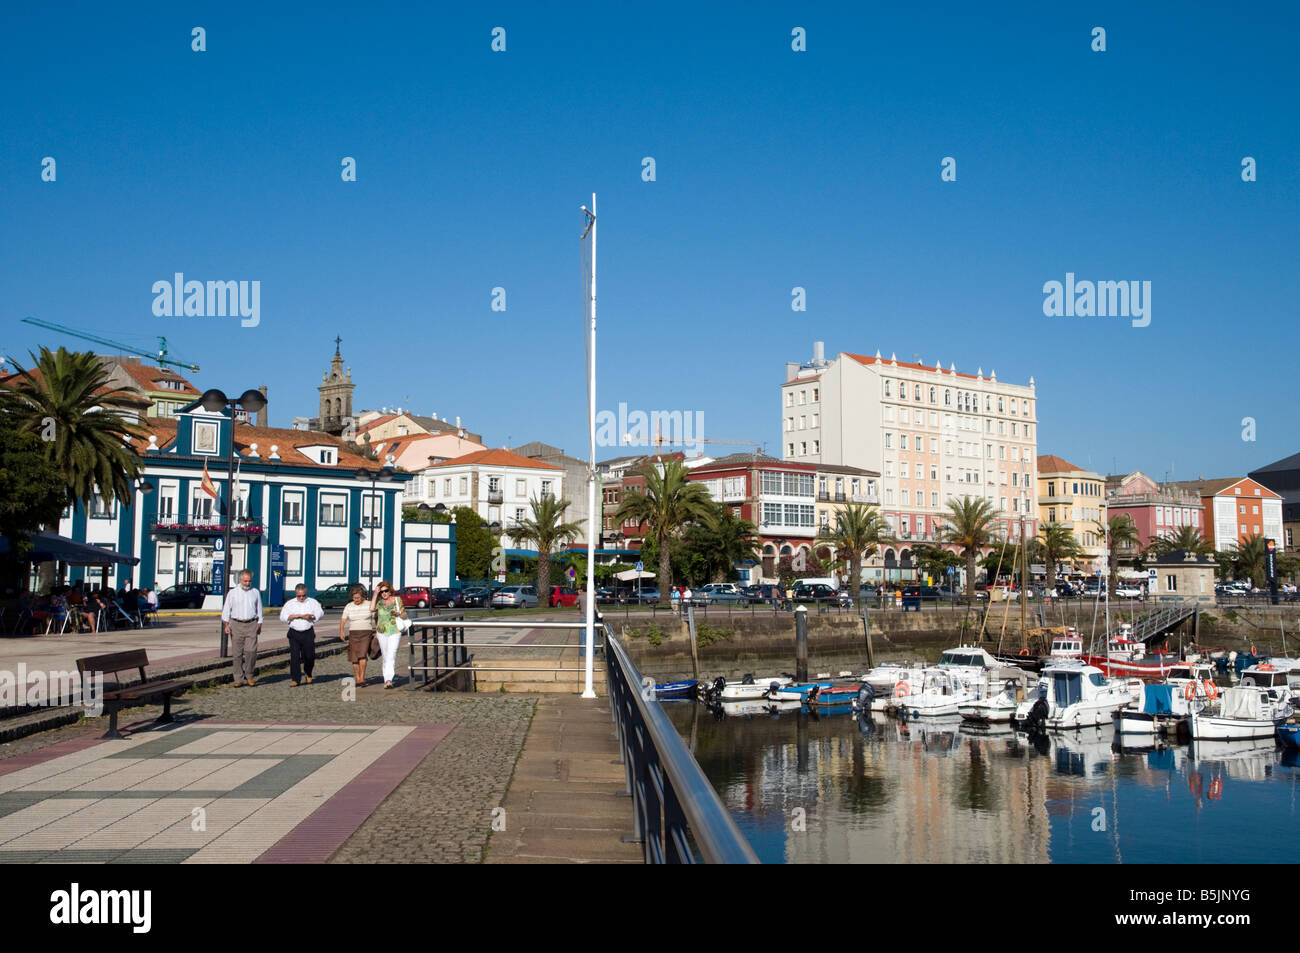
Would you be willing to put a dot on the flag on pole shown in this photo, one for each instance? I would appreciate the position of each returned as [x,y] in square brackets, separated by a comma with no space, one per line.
[208,486]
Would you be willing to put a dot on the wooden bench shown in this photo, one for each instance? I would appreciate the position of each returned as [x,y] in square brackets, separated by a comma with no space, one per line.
[120,695]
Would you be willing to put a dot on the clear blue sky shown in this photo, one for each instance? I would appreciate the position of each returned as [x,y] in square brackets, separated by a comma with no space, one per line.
[774,169]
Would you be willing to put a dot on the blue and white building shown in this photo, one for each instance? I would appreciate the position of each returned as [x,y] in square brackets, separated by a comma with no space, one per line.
[295,489]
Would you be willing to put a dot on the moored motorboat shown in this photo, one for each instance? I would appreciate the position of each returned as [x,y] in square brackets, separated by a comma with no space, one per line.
[940,694]
[1289,735]
[750,687]
[1159,710]
[1125,657]
[1243,713]
[1072,695]
[797,693]
[676,689]
[999,709]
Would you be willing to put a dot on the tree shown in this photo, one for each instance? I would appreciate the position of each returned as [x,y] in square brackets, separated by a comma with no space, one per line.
[32,495]
[546,529]
[970,526]
[935,561]
[670,502]
[1056,543]
[712,547]
[1188,539]
[67,401]
[1120,532]
[859,531]
[1252,552]
[413,514]
[476,547]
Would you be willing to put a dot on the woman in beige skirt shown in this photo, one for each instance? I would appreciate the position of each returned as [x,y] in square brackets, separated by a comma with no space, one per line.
[356,627]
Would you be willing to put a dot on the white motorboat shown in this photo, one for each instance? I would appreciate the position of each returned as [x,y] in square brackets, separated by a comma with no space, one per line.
[1157,710]
[751,688]
[759,706]
[1268,675]
[883,678]
[999,709]
[1073,695]
[878,694]
[939,694]
[971,664]
[1243,713]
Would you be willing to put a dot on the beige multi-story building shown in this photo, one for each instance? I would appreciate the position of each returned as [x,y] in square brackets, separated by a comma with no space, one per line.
[933,434]
[1075,498]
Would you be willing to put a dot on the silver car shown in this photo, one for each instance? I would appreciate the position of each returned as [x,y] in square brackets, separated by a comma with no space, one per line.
[515,597]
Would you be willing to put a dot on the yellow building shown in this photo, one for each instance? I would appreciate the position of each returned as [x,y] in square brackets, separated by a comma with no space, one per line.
[1075,498]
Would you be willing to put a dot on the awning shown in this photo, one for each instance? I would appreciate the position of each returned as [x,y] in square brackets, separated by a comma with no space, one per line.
[47,547]
[627,575]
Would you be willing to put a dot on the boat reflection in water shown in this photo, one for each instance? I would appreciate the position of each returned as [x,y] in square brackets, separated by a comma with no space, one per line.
[864,788]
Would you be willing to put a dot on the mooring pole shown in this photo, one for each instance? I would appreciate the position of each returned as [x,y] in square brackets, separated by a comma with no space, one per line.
[866,628]
[801,644]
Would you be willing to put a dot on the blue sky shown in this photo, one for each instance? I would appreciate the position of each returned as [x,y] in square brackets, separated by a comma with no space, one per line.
[775,169]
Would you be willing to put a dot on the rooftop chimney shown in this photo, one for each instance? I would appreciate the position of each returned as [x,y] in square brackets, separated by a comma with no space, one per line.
[261,414]
[819,351]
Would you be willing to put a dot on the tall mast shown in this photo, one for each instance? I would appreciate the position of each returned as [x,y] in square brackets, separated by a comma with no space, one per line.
[595,523]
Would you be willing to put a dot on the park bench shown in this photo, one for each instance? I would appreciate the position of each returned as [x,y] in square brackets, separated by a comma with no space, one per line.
[120,695]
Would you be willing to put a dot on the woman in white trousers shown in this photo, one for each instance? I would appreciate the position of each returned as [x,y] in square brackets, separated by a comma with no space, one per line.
[388,609]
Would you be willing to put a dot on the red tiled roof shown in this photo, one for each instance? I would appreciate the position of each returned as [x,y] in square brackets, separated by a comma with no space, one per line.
[497,458]
[862,359]
[123,398]
[1050,463]
[147,376]
[287,440]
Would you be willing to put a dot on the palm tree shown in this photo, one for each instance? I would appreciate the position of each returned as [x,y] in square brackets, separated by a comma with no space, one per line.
[66,399]
[669,503]
[1251,554]
[1188,539]
[1056,543]
[969,525]
[1121,533]
[859,531]
[546,529]
[734,541]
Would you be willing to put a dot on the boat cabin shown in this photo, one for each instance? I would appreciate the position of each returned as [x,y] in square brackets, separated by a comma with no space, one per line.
[1263,676]
[1067,646]
[1126,649]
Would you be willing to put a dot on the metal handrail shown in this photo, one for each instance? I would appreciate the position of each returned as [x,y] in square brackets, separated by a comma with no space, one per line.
[674,802]
[458,624]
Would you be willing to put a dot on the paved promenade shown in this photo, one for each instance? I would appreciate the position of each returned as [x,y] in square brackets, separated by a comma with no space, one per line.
[319,773]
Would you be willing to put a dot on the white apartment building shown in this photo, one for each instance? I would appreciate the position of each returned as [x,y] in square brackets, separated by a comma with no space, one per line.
[932,434]
[496,484]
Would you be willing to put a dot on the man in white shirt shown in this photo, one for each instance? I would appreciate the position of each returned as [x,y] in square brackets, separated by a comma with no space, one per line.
[242,618]
[302,614]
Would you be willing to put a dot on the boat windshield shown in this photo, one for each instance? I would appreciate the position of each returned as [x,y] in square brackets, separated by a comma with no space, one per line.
[1097,679]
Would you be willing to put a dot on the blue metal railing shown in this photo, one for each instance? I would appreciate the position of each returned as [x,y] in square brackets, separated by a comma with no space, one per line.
[676,810]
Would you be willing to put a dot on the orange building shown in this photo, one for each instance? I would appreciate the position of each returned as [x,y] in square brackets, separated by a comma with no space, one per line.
[1235,508]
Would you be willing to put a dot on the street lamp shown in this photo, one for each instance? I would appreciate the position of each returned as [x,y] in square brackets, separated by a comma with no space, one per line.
[372,476]
[216,402]
[426,508]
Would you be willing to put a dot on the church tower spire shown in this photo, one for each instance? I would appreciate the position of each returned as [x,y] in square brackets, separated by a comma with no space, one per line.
[336,395]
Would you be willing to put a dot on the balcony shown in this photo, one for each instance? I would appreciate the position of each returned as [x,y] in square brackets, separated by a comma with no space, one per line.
[495,496]
[205,526]
[865,498]
[823,496]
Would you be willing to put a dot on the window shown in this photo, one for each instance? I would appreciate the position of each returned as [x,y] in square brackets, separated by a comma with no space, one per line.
[446,487]
[1171,583]
[889,468]
[293,561]
[789,398]
[889,389]
[934,473]
[918,394]
[902,469]
[464,485]
[426,564]
[905,500]
[1000,405]
[814,420]
[947,398]
[327,456]
[789,424]
[902,441]
[332,562]
[1051,514]
[372,562]
[934,499]
[372,509]
[803,448]
[166,562]
[889,441]
[803,397]
[519,514]
[817,446]
[816,392]
[333,509]
[291,509]
[520,489]
[932,395]
[100,510]
[902,416]
[546,488]
[789,450]
[803,421]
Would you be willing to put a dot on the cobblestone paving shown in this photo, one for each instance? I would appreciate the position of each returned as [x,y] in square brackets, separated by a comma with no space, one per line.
[442,811]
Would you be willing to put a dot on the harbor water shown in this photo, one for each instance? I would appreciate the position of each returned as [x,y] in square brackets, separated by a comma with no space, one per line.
[866,788]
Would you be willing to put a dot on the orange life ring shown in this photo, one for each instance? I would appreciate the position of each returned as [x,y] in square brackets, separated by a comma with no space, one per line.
[1189,692]
[1023,652]
[1266,667]
[1211,690]
[902,690]
[1194,783]
[1216,789]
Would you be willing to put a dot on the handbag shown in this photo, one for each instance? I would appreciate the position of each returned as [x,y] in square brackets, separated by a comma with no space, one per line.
[374,651]
[403,625]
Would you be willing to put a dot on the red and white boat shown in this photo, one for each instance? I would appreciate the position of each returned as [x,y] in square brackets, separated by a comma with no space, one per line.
[1129,659]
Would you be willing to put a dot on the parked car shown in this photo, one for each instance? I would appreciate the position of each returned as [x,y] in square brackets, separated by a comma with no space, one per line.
[515,597]
[449,597]
[185,595]
[605,596]
[923,593]
[563,596]
[646,595]
[763,593]
[338,595]
[951,593]
[475,596]
[414,596]
[1125,591]
[820,592]
[716,592]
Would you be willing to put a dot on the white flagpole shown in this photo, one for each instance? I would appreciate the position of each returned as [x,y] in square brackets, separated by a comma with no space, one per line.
[594,523]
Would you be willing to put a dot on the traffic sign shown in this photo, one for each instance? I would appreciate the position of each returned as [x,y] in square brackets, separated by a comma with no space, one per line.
[218,546]
[572,572]
[640,566]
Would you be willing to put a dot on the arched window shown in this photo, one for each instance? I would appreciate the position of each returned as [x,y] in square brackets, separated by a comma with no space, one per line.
[947,398]
[932,395]
[918,391]
[889,385]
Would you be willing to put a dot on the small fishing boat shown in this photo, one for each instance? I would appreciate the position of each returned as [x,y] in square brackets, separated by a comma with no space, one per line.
[751,687]
[1267,675]
[1289,735]
[883,678]
[1125,657]
[1159,710]
[1243,713]
[756,706]
[676,689]
[835,695]
[997,709]
[797,693]
[940,694]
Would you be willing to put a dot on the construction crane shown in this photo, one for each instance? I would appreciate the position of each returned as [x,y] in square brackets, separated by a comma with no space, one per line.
[161,357]
[658,441]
